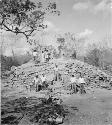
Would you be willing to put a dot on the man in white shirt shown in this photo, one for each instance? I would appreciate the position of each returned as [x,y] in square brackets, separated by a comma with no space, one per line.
[43,80]
[73,81]
[42,57]
[81,82]
[110,82]
[37,83]
[34,54]
[46,56]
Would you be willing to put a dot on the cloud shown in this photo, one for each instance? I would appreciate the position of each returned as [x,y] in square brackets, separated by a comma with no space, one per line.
[104,5]
[81,6]
[85,33]
[50,26]
[94,7]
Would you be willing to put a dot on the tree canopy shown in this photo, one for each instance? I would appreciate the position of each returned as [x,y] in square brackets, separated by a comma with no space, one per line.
[25,16]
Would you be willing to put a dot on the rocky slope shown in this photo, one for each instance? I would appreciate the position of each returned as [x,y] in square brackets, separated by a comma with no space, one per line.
[20,107]
[24,74]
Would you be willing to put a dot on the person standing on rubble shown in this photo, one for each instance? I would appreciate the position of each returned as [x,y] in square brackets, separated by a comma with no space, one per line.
[49,57]
[42,56]
[111,82]
[37,83]
[81,82]
[34,55]
[73,86]
[43,81]
[46,56]
[56,73]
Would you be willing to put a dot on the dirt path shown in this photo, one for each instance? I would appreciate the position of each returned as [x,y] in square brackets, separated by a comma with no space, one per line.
[94,108]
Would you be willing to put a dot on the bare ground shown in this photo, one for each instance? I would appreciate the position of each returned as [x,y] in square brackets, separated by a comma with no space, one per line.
[94,108]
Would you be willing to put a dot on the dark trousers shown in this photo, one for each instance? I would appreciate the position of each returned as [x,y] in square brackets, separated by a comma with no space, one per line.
[44,85]
[34,58]
[74,87]
[58,76]
[38,87]
[30,87]
[82,89]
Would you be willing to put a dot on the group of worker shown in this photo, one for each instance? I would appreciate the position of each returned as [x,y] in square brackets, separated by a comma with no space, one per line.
[39,82]
[76,81]
[45,55]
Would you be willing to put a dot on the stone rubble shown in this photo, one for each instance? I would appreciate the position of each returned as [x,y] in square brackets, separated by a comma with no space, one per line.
[94,77]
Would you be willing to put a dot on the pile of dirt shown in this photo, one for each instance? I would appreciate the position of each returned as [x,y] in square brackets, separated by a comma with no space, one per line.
[24,75]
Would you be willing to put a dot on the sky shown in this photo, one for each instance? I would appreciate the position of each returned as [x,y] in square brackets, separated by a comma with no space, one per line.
[89,19]
[84,17]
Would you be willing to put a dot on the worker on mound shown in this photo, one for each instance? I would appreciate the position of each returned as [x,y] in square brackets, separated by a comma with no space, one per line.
[37,83]
[73,85]
[57,75]
[34,55]
[81,83]
[43,81]
[77,84]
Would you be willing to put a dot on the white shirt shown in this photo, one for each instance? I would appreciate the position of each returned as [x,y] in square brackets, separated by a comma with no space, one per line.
[73,79]
[36,80]
[42,57]
[56,69]
[43,78]
[45,55]
[81,80]
[34,53]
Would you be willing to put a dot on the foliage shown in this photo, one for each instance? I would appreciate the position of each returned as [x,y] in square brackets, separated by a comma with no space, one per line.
[93,57]
[67,45]
[61,40]
[42,49]
[25,16]
[8,62]
[99,56]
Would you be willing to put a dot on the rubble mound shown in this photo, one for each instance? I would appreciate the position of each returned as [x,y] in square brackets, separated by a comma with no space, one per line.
[94,77]
[35,110]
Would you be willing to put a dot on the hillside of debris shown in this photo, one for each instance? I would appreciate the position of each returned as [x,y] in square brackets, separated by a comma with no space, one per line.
[23,107]
[24,74]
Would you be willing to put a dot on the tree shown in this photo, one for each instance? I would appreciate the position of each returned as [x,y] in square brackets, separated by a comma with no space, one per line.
[25,16]
[94,57]
[67,45]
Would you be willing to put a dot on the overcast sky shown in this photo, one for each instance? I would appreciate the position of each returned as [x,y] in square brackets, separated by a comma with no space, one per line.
[85,18]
